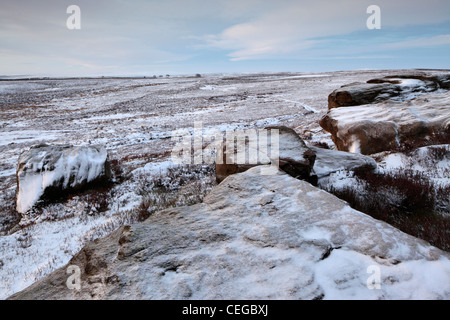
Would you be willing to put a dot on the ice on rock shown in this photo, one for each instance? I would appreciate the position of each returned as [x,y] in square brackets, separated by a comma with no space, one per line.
[61,167]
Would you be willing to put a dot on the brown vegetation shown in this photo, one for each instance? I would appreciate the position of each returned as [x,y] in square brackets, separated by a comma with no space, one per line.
[405,199]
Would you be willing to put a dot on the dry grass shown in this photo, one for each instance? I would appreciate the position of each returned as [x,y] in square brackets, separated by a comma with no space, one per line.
[405,199]
[408,145]
[179,186]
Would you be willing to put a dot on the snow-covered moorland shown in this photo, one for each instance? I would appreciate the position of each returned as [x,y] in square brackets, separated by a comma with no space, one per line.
[134,119]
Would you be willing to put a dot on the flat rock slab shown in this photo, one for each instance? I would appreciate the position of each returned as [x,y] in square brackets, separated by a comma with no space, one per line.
[254,237]
[329,161]
[44,169]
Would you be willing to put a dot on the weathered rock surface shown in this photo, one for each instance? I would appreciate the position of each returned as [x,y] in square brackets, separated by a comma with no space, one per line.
[379,127]
[43,170]
[255,237]
[402,87]
[360,93]
[294,157]
[329,161]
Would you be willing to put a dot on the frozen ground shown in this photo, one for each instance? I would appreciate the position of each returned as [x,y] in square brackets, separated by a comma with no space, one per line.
[134,119]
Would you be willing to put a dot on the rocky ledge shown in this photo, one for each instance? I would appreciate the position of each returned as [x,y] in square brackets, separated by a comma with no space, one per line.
[254,237]
[384,114]
[398,87]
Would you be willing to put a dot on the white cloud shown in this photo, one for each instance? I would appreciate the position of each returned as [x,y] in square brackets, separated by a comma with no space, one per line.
[291,27]
[135,33]
[420,42]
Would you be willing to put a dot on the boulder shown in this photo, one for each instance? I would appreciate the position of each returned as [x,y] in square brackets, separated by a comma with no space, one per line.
[399,88]
[439,81]
[46,171]
[385,126]
[293,156]
[329,161]
[254,237]
[361,93]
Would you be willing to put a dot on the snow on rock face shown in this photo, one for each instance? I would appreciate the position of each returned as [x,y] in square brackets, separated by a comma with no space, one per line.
[61,167]
[379,127]
[255,237]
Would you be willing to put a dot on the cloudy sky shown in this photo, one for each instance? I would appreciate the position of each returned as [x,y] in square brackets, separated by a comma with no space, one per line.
[147,37]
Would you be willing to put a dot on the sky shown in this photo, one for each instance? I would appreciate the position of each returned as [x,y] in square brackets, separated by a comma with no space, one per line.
[178,37]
